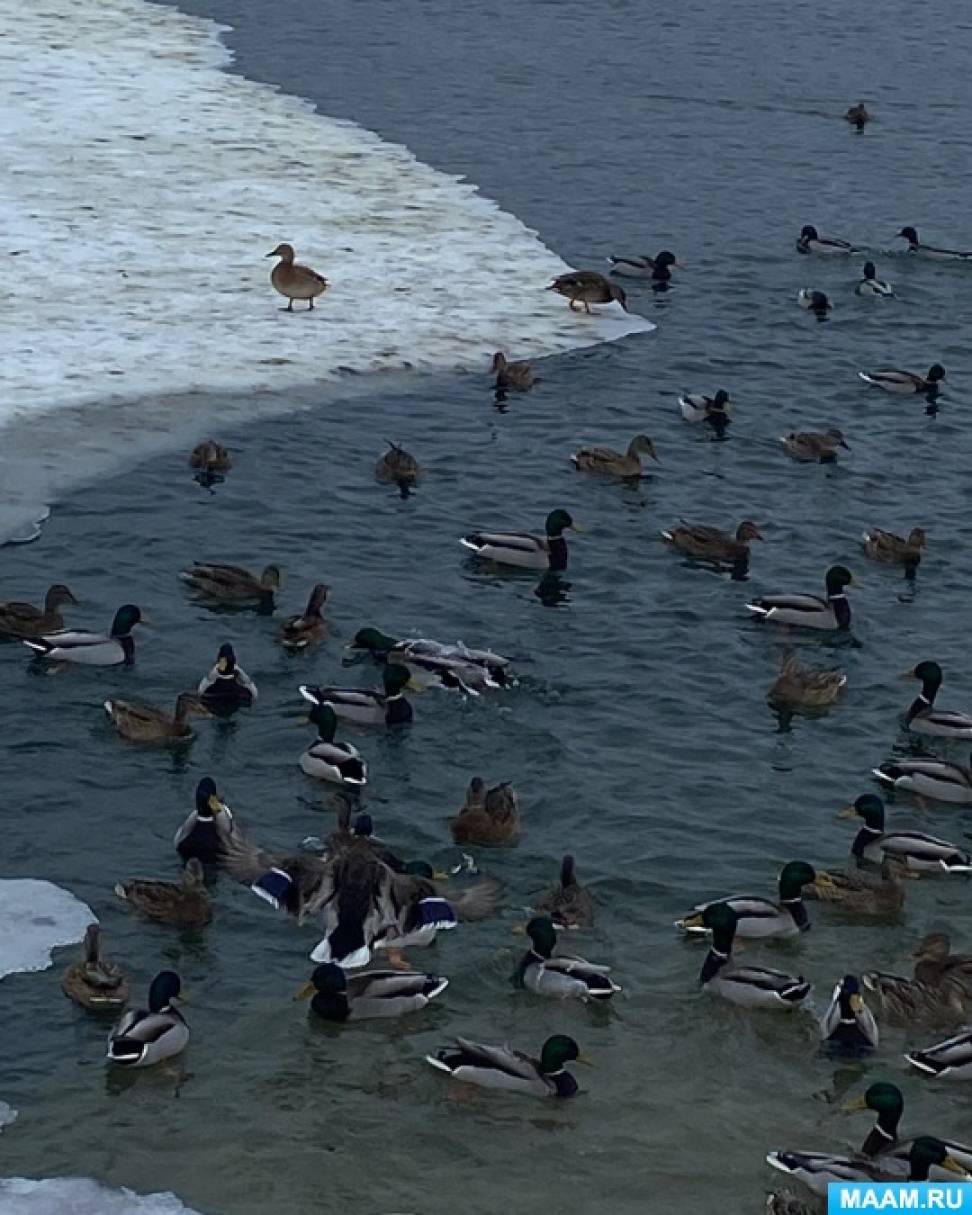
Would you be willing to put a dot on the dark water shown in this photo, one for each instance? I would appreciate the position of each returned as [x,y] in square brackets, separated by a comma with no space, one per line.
[639,737]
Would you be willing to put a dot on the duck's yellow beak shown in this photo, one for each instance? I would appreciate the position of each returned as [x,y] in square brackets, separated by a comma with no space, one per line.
[216,805]
[519,930]
[823,878]
[305,992]
[854,1106]
[222,664]
[856,1002]
[575,527]
[585,1060]
[953,1166]
[847,812]
[909,674]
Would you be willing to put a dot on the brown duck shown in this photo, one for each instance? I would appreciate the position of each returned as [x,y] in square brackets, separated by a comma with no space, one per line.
[812,446]
[300,631]
[886,546]
[398,466]
[858,115]
[615,463]
[232,583]
[710,544]
[94,983]
[25,620]
[209,456]
[185,904]
[512,377]
[489,816]
[588,287]
[799,687]
[145,723]
[568,904]
[294,281]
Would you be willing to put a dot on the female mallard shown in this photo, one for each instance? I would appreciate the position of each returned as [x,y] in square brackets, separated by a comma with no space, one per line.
[706,543]
[658,268]
[233,584]
[325,759]
[145,723]
[511,377]
[859,892]
[748,986]
[922,716]
[932,778]
[563,978]
[94,983]
[814,446]
[298,632]
[905,383]
[858,115]
[817,1170]
[714,411]
[811,242]
[23,620]
[489,816]
[399,467]
[951,1059]
[226,687]
[204,833]
[434,664]
[798,687]
[935,962]
[810,611]
[386,708]
[885,546]
[615,463]
[933,251]
[920,852]
[905,1002]
[210,457]
[848,1027]
[523,549]
[816,302]
[185,904]
[92,649]
[588,287]
[758,918]
[294,281]
[340,997]
[501,1067]
[870,284]
[568,903]
[145,1036]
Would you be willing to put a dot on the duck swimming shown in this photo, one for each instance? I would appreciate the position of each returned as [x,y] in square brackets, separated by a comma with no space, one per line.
[389,707]
[920,852]
[798,687]
[749,986]
[587,287]
[328,760]
[399,467]
[92,649]
[818,1169]
[758,918]
[615,463]
[489,816]
[568,903]
[524,549]
[434,663]
[210,457]
[659,268]
[503,1068]
[298,632]
[23,620]
[294,281]
[928,778]
[848,1027]
[923,718]
[948,1060]
[811,242]
[145,1036]
[816,302]
[512,377]
[562,978]
[858,115]
[810,611]
[185,904]
[704,543]
[905,383]
[145,723]
[814,447]
[890,548]
[337,996]
[226,687]
[932,251]
[871,285]
[713,411]
[204,833]
[95,984]
[860,892]
[233,584]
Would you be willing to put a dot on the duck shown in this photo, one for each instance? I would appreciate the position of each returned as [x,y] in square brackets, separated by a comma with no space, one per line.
[324,759]
[399,467]
[905,383]
[388,707]
[503,1068]
[713,411]
[115,648]
[511,377]
[890,548]
[749,986]
[814,446]
[858,115]
[758,918]
[922,716]
[203,834]
[860,892]
[489,816]
[817,1170]
[905,1002]
[433,663]
[233,584]
[562,978]
[185,904]
[920,852]
[210,457]
[848,1027]
[523,549]
[814,301]
[299,632]
[948,1060]
[144,1036]
[932,251]
[800,687]
[95,984]
[226,687]
[588,287]
[340,997]
[658,269]
[363,829]
[294,281]
[568,903]
[936,779]
[23,620]
[706,543]
[810,611]
[871,285]
[935,962]
[145,723]
[887,1101]
[615,463]
[811,242]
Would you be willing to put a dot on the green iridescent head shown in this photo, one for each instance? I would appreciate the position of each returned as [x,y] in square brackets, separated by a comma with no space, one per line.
[557,1052]
[793,877]
[324,717]
[543,935]
[558,521]
[395,678]
[372,639]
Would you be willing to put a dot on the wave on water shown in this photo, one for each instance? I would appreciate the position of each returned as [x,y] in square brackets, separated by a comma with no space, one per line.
[36,917]
[144,186]
[81,1196]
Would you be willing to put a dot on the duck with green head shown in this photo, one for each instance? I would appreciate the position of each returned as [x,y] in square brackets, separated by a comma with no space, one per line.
[757,917]
[810,611]
[562,978]
[918,851]
[93,649]
[328,760]
[748,986]
[817,1170]
[526,550]
[145,1036]
[434,664]
[922,716]
[388,707]
[340,997]
[503,1068]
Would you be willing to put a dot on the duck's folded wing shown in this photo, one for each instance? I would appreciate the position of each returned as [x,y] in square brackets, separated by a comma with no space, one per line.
[762,977]
[65,637]
[501,1058]
[387,984]
[800,603]
[518,540]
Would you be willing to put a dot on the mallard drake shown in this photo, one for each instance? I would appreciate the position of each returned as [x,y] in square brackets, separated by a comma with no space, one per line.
[93,983]
[810,611]
[870,284]
[814,446]
[568,903]
[336,996]
[523,549]
[23,620]
[860,892]
[798,687]
[294,281]
[298,632]
[204,833]
[226,687]
[858,115]
[951,1059]
[185,904]
[932,778]
[512,377]
[233,584]
[92,649]
[388,707]
[935,962]
[209,456]
[325,759]
[917,246]
[880,545]
[706,543]
[433,663]
[501,1067]
[848,1027]
[905,383]
[923,718]
[749,986]
[145,1036]
[399,467]
[811,242]
[758,918]
[816,302]
[818,1169]
[658,268]
[588,287]
[145,723]
[489,816]
[615,463]
[563,978]
[713,411]
[920,852]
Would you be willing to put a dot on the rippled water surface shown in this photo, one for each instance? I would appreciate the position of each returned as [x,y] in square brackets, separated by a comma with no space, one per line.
[639,737]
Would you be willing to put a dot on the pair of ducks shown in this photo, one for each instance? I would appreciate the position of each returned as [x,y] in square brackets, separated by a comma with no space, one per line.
[869,286]
[810,241]
[232,584]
